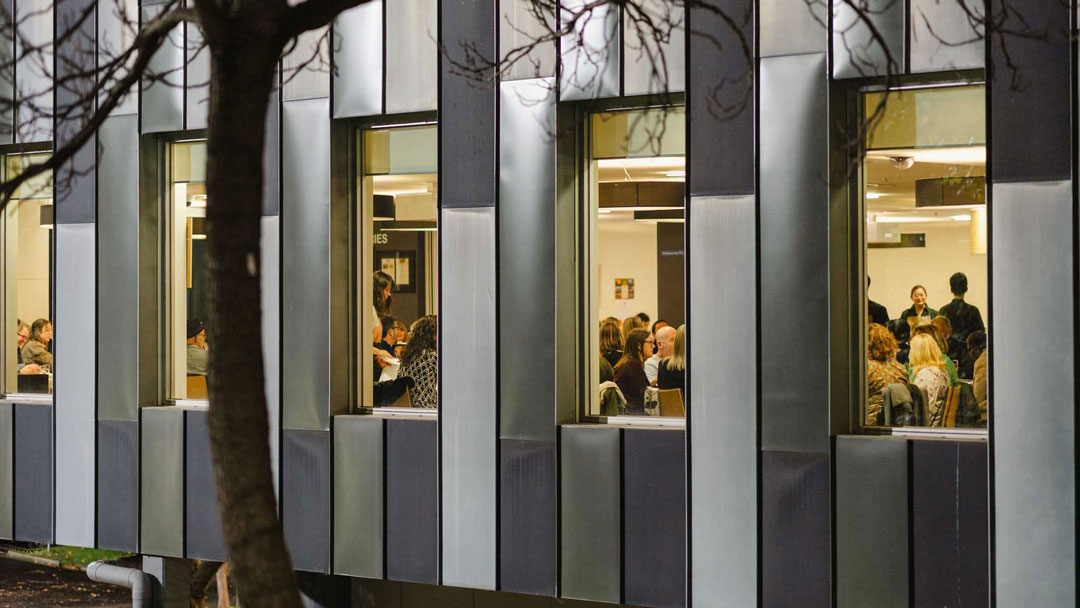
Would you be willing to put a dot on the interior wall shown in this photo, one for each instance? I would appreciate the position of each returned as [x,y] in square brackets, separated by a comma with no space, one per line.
[627,250]
[948,249]
[33,263]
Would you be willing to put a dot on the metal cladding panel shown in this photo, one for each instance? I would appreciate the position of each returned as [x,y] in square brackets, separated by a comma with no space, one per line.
[76,196]
[7,471]
[305,498]
[161,93]
[161,493]
[467,110]
[113,37]
[943,37]
[305,280]
[358,56]
[793,27]
[654,517]
[528,517]
[1030,80]
[203,533]
[305,71]
[197,79]
[795,530]
[871,522]
[1034,395]
[591,502]
[272,157]
[412,500]
[590,52]
[74,383]
[358,496]
[270,246]
[949,569]
[7,76]
[723,443]
[519,30]
[34,473]
[649,66]
[857,52]
[118,268]
[412,54]
[721,100]
[118,486]
[794,254]
[527,259]
[34,63]
[76,57]
[468,396]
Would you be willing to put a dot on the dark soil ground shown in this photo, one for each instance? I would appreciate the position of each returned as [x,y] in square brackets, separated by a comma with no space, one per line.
[24,585]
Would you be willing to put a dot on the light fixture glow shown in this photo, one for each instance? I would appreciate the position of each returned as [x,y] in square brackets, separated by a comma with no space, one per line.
[960,218]
[650,162]
[680,173]
[873,195]
[955,155]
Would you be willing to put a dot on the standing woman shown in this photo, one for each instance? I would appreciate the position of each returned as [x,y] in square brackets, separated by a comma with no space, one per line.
[420,361]
[630,371]
[918,314]
[380,307]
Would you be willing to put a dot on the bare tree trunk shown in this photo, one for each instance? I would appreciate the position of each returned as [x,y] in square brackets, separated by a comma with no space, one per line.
[244,51]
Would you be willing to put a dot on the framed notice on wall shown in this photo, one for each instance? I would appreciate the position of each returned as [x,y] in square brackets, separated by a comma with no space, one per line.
[624,289]
[401,266]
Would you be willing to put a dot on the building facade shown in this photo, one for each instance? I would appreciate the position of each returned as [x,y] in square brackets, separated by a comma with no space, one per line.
[771,483]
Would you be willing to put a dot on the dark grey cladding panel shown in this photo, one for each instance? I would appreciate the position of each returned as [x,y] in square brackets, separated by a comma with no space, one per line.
[654,517]
[466,108]
[305,498]
[272,157]
[796,519]
[118,486]
[412,501]
[1029,88]
[721,100]
[590,513]
[871,522]
[203,533]
[974,532]
[7,470]
[33,473]
[942,37]
[75,190]
[7,76]
[794,254]
[528,514]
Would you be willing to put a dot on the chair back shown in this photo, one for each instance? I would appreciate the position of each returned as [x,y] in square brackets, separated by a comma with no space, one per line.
[951,407]
[671,403]
[196,387]
[403,401]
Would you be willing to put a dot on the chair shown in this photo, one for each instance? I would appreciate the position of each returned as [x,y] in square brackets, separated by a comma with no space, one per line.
[671,403]
[196,387]
[403,401]
[951,407]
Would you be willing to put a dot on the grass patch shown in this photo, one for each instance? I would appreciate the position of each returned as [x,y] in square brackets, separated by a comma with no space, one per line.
[73,557]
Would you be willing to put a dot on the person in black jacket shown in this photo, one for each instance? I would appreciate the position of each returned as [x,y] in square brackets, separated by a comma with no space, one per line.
[878,313]
[965,319]
[671,373]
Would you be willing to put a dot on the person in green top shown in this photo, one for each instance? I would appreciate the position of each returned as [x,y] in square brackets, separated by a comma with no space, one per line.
[950,365]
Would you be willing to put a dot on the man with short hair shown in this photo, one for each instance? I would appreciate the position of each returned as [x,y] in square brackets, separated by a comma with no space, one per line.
[665,342]
[965,320]
[644,319]
[658,324]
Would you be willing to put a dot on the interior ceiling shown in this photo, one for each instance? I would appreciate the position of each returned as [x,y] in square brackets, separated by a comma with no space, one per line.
[651,169]
[895,186]
[408,183]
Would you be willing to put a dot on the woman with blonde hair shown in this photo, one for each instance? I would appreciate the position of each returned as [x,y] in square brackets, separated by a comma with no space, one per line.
[671,372]
[611,341]
[882,368]
[929,374]
[629,324]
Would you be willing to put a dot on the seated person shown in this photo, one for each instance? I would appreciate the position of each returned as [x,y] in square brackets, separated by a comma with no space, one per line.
[606,371]
[672,371]
[976,343]
[947,363]
[629,324]
[420,361]
[22,334]
[664,339]
[384,344]
[928,373]
[198,357]
[36,349]
[401,337]
[882,368]
[611,341]
[630,371]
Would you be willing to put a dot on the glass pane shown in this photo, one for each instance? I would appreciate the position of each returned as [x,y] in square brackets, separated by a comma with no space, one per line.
[924,194]
[641,133]
[397,218]
[27,302]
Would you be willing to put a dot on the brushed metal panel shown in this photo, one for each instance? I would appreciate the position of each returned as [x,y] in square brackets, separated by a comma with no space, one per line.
[305,72]
[796,521]
[412,55]
[358,58]
[794,204]
[358,496]
[1033,365]
[651,66]
[871,522]
[942,36]
[528,517]
[527,259]
[204,536]
[113,37]
[270,248]
[468,397]
[723,447]
[272,157]
[161,495]
[7,471]
[197,80]
[590,53]
[34,70]
[7,76]
[161,94]
[654,517]
[118,485]
[305,498]
[855,52]
[519,29]
[412,501]
[793,27]
[118,268]
[590,526]
[74,382]
[34,473]
[305,279]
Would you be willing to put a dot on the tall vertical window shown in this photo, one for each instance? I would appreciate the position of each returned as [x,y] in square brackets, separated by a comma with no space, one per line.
[187,351]
[397,267]
[634,272]
[27,279]
[924,199]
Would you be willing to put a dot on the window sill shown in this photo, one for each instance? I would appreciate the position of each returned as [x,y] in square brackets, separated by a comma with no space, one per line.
[28,398]
[407,413]
[636,422]
[925,433]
